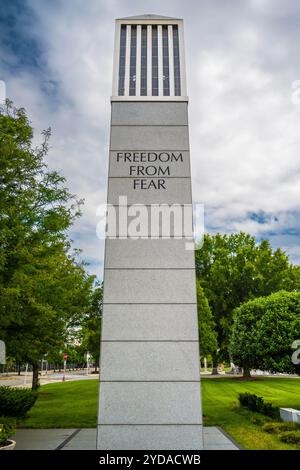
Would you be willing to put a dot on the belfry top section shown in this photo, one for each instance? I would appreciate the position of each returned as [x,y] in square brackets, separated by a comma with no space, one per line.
[149,59]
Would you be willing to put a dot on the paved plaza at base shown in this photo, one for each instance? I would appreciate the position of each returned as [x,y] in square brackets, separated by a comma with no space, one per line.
[85,439]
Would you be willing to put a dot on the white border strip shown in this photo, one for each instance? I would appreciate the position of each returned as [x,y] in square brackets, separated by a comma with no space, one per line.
[138,60]
[171,60]
[115,81]
[182,60]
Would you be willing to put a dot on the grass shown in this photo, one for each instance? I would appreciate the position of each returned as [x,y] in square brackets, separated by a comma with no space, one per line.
[74,405]
[65,405]
[220,408]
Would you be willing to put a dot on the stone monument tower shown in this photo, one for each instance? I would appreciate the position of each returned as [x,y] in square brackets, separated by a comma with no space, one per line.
[150,396]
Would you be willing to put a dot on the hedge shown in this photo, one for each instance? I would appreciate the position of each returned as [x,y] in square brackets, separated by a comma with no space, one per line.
[15,401]
[255,403]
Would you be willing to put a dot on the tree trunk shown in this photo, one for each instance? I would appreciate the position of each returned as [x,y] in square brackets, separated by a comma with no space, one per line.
[35,376]
[19,368]
[246,372]
[215,365]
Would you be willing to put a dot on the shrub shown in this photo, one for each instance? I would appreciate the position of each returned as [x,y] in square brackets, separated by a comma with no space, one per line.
[277,428]
[255,403]
[7,429]
[251,401]
[269,410]
[16,401]
[290,437]
[258,420]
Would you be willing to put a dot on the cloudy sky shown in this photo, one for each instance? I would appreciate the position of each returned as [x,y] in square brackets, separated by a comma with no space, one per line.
[243,64]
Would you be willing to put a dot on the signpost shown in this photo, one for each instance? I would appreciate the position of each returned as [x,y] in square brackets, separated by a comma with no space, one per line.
[44,361]
[26,371]
[87,362]
[65,365]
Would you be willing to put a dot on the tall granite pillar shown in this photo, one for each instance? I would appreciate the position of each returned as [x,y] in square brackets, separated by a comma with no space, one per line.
[150,395]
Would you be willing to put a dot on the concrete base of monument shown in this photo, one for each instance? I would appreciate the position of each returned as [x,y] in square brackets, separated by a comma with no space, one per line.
[150,436]
[85,439]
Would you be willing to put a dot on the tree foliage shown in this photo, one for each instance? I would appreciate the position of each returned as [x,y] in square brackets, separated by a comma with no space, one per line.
[207,333]
[264,330]
[43,287]
[91,326]
[235,268]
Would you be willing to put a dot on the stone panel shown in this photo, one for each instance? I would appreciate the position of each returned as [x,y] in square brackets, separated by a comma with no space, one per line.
[149,286]
[171,253]
[135,113]
[149,360]
[149,322]
[149,137]
[128,437]
[153,221]
[150,403]
[142,190]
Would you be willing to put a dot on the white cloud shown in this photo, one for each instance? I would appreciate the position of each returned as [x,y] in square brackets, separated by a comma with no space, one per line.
[242,58]
[244,139]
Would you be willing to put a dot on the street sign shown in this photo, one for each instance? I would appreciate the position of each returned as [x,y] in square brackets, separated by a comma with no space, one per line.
[65,356]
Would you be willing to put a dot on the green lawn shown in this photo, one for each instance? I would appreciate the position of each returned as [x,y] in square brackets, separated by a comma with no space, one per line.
[74,404]
[220,408]
[65,405]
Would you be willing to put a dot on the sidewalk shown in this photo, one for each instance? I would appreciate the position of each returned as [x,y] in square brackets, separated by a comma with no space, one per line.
[15,380]
[85,439]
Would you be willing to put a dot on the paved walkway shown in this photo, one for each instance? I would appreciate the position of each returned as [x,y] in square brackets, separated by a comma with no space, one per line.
[85,439]
[15,380]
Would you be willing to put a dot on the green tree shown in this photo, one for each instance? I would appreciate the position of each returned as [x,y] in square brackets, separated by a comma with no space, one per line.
[263,332]
[43,288]
[207,333]
[91,326]
[235,268]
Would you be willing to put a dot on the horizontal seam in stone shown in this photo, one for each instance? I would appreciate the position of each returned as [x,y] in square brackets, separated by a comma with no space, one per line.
[150,269]
[150,424]
[149,177]
[149,340]
[149,303]
[137,204]
[198,381]
[153,150]
[149,125]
